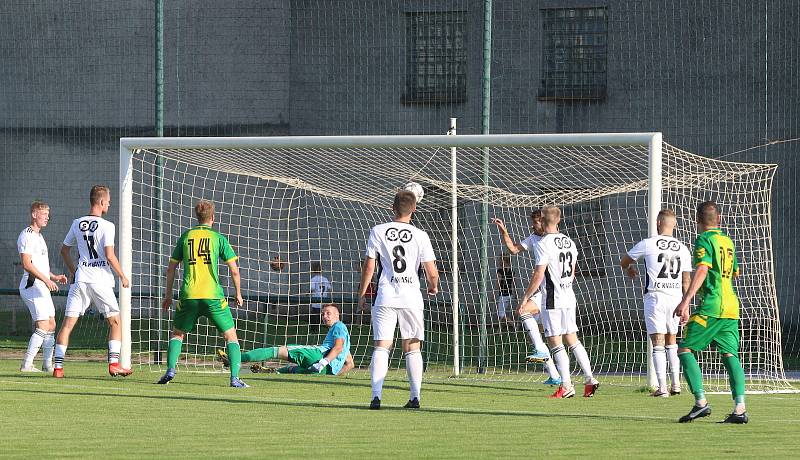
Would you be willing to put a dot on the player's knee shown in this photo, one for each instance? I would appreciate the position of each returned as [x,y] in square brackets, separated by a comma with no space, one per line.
[178,334]
[113,321]
[658,340]
[230,335]
[727,355]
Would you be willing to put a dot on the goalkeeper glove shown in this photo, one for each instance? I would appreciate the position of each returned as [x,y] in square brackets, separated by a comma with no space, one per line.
[319,366]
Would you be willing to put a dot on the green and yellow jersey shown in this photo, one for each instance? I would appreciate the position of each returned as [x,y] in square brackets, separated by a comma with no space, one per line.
[199,249]
[717,298]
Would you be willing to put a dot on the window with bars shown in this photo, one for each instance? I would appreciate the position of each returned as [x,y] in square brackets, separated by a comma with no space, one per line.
[437,57]
[574,53]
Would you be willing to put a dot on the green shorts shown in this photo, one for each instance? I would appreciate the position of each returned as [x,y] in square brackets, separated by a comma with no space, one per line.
[306,356]
[216,310]
[702,330]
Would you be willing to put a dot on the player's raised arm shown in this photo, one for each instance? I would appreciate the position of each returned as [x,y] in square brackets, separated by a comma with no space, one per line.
[505,237]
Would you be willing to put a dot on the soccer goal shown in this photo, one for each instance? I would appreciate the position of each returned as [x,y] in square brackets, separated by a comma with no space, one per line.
[312,200]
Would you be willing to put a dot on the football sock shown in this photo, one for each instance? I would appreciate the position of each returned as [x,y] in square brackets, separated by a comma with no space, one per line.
[530,325]
[235,357]
[260,354]
[735,377]
[562,364]
[414,370]
[552,372]
[660,363]
[47,348]
[674,365]
[58,360]
[35,342]
[582,357]
[113,351]
[378,369]
[173,352]
[693,375]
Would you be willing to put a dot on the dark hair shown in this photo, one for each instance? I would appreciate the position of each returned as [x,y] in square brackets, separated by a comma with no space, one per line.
[404,203]
[316,266]
[536,213]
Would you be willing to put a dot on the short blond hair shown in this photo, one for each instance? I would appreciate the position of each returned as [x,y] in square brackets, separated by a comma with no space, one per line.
[204,210]
[39,205]
[551,215]
[666,213]
[97,193]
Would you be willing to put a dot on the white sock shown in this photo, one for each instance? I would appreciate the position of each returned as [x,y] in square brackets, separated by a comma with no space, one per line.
[660,364]
[530,325]
[114,346]
[582,357]
[551,369]
[378,369]
[674,365]
[561,358]
[414,370]
[61,351]
[35,342]
[47,349]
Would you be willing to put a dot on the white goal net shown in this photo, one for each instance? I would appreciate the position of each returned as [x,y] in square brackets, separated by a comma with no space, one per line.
[313,200]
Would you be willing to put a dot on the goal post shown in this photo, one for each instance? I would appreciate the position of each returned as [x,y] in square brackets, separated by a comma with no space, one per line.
[313,199]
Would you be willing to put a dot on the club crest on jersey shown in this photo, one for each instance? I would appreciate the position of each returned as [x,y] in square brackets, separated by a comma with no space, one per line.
[393,234]
[563,243]
[87,225]
[666,244]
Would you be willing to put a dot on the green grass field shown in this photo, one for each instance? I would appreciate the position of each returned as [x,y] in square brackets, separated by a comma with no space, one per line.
[91,415]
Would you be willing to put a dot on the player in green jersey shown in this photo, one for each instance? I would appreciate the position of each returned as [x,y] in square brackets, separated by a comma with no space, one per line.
[199,249]
[716,317]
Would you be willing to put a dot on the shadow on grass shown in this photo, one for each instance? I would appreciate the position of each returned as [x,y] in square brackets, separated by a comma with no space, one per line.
[332,405]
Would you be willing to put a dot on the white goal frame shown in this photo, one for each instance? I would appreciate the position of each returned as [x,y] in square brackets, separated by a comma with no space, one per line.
[129,146]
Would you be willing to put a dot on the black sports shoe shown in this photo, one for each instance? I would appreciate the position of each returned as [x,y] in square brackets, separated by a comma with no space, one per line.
[736,418]
[696,412]
[412,404]
[375,404]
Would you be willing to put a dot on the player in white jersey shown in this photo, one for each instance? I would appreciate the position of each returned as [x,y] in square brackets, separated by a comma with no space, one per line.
[400,249]
[540,353]
[35,286]
[556,259]
[668,264]
[320,288]
[93,279]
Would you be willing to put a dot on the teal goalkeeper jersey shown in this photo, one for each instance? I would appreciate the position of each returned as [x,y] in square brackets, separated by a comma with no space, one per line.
[337,331]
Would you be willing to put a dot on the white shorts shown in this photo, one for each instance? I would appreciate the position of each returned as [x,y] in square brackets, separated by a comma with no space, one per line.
[559,321]
[81,295]
[385,319]
[38,300]
[658,313]
[503,305]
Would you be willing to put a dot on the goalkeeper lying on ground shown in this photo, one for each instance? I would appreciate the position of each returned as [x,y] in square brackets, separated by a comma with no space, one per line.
[332,357]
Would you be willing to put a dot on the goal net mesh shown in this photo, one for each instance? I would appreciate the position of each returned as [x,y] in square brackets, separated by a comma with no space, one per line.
[308,205]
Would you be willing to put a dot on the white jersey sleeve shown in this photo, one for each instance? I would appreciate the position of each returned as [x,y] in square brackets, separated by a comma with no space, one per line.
[399,249]
[92,234]
[638,250]
[559,254]
[530,242]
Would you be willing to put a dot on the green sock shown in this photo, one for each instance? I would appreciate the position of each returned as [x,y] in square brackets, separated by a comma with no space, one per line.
[735,377]
[173,352]
[693,374]
[235,355]
[260,354]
